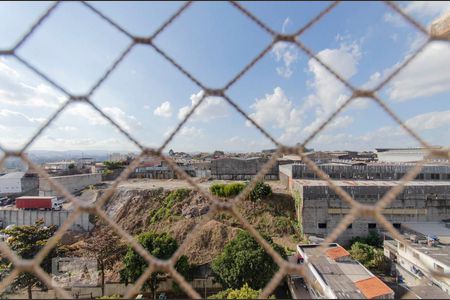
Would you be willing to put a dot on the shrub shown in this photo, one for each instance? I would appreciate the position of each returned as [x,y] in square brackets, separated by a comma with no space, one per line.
[245,292]
[163,212]
[284,225]
[227,190]
[260,191]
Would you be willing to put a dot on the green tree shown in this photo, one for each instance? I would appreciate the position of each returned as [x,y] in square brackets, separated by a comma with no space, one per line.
[371,257]
[372,239]
[243,260]
[112,165]
[161,246]
[245,292]
[27,241]
[71,166]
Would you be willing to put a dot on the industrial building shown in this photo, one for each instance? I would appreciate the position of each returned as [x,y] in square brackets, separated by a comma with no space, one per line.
[334,274]
[402,154]
[365,171]
[19,183]
[234,168]
[72,183]
[320,209]
[429,249]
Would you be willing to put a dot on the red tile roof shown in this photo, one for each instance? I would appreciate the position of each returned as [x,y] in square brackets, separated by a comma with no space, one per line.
[337,252]
[373,287]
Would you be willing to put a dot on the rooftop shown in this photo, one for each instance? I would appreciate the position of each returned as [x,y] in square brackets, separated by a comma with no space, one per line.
[373,287]
[405,149]
[16,175]
[428,292]
[313,182]
[346,277]
[430,228]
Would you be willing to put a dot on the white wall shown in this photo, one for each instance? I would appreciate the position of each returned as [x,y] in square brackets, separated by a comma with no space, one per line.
[401,155]
[406,259]
[10,185]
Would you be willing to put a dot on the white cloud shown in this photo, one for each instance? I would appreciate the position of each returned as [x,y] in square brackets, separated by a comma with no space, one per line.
[146,106]
[17,88]
[238,143]
[9,118]
[211,108]
[424,77]
[186,131]
[67,128]
[46,142]
[286,23]
[164,110]
[425,10]
[276,110]
[431,120]
[191,132]
[288,54]
[127,122]
[328,93]
[391,136]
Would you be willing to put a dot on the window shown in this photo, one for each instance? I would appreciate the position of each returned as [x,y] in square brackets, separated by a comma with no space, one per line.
[397,225]
[434,176]
[420,176]
[350,226]
[322,225]
[372,225]
[448,176]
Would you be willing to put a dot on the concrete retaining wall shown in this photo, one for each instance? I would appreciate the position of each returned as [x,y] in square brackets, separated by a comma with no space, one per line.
[72,183]
[29,217]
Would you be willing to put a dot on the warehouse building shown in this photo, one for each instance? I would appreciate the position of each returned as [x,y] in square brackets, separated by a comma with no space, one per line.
[322,209]
[19,183]
[365,171]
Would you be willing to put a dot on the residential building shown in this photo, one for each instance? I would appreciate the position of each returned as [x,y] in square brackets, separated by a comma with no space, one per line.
[428,250]
[334,274]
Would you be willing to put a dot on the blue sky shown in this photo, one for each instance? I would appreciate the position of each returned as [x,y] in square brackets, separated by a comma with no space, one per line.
[286,92]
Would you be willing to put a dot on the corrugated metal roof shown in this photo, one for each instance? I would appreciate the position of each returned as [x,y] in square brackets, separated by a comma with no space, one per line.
[373,287]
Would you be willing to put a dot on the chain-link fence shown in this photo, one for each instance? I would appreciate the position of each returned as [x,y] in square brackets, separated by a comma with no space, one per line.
[216,205]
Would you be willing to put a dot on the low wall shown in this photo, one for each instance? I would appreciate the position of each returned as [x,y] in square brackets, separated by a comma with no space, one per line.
[72,183]
[241,169]
[29,217]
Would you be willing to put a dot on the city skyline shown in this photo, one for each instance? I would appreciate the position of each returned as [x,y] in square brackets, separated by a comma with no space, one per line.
[287,93]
